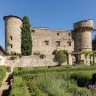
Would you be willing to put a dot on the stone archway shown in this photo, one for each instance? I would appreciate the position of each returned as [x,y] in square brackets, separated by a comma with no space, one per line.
[74,59]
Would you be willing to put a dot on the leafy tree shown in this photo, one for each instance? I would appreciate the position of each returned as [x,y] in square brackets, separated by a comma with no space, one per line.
[26,39]
[94,43]
[60,56]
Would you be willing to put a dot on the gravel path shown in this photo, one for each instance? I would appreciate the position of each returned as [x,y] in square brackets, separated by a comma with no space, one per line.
[5,86]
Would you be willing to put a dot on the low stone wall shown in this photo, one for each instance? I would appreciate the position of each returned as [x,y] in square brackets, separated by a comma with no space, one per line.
[31,61]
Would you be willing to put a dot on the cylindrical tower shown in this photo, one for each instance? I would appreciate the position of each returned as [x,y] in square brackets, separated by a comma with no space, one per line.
[82,30]
[13,34]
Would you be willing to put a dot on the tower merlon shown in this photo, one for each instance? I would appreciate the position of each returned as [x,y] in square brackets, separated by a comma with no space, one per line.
[84,23]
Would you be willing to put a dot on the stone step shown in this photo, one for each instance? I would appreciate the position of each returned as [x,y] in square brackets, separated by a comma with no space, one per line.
[4,87]
[1,92]
[5,83]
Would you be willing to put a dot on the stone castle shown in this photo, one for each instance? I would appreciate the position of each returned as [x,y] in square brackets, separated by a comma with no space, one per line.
[45,40]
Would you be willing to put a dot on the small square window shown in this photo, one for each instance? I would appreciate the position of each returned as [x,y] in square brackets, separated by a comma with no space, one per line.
[57,43]
[69,34]
[69,43]
[33,31]
[46,42]
[58,34]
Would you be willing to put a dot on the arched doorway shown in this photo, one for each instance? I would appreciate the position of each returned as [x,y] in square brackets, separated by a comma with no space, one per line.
[74,59]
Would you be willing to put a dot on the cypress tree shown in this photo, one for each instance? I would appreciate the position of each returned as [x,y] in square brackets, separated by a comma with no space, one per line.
[26,39]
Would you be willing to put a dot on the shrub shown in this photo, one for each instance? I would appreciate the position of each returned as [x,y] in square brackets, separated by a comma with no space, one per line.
[42,56]
[65,52]
[8,69]
[35,90]
[81,78]
[15,71]
[20,55]
[54,52]
[94,78]
[13,57]
[60,56]
[19,88]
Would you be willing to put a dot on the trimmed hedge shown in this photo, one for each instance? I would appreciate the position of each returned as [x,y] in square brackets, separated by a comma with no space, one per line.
[19,88]
[21,71]
[2,73]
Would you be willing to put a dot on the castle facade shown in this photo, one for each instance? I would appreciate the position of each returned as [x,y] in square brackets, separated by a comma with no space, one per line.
[45,40]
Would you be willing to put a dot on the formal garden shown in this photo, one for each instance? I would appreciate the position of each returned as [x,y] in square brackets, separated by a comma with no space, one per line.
[54,81]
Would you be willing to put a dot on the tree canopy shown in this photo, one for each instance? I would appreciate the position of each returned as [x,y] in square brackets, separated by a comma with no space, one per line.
[60,56]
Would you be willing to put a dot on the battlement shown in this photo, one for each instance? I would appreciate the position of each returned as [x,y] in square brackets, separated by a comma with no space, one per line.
[84,23]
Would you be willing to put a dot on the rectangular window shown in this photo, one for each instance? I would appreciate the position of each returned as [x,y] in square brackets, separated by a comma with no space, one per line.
[46,42]
[69,43]
[69,34]
[33,31]
[57,43]
[11,37]
[11,45]
[58,34]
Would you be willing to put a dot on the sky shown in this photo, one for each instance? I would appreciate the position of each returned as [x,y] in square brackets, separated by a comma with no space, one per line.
[54,14]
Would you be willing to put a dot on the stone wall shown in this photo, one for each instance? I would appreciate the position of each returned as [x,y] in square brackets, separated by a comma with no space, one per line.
[42,35]
[32,61]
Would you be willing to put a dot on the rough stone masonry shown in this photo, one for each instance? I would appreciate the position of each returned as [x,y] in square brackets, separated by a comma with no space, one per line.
[46,40]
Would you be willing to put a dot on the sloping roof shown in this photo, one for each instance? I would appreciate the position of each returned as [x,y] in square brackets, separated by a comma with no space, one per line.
[1,48]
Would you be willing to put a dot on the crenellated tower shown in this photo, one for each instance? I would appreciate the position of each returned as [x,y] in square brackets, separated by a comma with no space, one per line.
[82,35]
[13,33]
